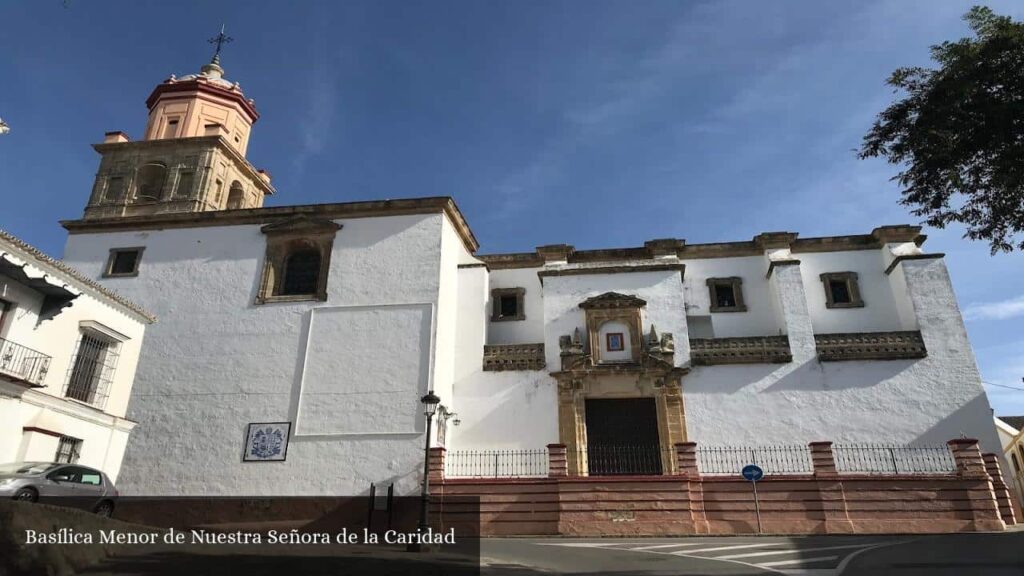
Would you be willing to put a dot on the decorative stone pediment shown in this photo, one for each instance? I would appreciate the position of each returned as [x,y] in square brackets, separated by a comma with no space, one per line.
[612,301]
[298,235]
[301,224]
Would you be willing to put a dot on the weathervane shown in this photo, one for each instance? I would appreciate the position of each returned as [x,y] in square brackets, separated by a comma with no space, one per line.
[220,40]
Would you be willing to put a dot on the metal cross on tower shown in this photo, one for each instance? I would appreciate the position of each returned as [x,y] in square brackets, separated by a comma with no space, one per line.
[220,40]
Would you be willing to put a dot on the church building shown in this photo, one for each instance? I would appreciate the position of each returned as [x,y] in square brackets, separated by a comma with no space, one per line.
[295,341]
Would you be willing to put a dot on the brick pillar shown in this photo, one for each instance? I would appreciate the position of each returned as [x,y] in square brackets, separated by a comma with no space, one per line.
[686,465]
[686,459]
[437,464]
[1000,488]
[822,458]
[558,464]
[832,496]
[967,455]
[976,484]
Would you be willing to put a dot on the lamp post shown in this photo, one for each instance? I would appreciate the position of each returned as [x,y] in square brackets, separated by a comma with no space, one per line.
[430,402]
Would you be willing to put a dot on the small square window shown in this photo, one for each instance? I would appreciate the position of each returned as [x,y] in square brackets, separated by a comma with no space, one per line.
[123,262]
[841,290]
[615,342]
[507,304]
[726,294]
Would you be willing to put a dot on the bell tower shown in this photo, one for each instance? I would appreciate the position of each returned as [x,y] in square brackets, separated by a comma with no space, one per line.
[192,154]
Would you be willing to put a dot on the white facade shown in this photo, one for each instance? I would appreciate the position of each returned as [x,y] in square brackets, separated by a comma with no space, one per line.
[1012,441]
[49,388]
[865,338]
[409,309]
[348,372]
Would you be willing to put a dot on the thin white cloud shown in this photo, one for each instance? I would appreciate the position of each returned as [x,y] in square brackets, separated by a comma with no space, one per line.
[317,119]
[1002,310]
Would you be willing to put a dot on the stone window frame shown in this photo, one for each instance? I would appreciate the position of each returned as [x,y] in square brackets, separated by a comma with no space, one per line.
[108,268]
[283,238]
[614,307]
[736,283]
[851,286]
[497,294]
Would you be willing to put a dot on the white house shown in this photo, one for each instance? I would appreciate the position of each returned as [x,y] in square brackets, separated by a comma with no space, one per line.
[296,341]
[68,352]
[1010,430]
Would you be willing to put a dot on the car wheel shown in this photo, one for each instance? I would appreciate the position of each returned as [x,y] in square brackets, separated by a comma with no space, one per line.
[105,509]
[26,495]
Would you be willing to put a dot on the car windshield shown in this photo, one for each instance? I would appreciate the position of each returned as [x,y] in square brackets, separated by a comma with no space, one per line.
[26,467]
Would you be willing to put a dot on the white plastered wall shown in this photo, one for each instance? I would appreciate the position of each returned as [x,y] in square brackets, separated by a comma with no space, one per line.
[216,362]
[924,401]
[530,330]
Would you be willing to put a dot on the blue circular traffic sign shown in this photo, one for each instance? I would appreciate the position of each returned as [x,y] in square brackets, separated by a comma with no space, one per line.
[752,472]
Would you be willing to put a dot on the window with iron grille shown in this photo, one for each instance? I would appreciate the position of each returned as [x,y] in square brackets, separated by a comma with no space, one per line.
[92,370]
[301,273]
[68,450]
[726,294]
[297,261]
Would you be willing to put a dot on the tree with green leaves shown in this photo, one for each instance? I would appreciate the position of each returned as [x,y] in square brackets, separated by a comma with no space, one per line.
[958,133]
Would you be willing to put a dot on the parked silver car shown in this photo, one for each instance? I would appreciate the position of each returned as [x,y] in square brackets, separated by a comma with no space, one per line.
[60,484]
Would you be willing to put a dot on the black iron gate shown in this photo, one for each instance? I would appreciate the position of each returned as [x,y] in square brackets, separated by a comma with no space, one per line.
[622,437]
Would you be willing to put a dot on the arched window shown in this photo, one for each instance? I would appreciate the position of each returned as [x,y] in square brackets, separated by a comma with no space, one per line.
[301,272]
[151,178]
[297,260]
[235,195]
[115,189]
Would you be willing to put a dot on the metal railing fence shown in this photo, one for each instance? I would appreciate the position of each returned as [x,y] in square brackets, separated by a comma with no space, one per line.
[893,459]
[774,460]
[496,463]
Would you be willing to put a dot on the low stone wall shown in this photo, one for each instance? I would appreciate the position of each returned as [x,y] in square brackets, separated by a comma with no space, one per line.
[686,503]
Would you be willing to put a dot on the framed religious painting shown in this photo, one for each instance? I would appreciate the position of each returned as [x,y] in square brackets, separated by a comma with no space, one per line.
[267,442]
[614,342]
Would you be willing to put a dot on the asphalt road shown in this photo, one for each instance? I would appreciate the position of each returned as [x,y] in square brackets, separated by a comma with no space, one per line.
[967,554]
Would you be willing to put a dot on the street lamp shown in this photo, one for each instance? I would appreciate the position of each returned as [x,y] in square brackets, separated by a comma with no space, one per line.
[430,402]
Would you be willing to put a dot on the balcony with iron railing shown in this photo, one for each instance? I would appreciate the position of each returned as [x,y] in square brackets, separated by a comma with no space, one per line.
[23,364]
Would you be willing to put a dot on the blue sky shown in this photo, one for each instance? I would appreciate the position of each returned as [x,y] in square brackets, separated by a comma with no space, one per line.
[598,124]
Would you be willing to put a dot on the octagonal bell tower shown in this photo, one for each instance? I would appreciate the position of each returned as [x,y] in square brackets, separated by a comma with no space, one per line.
[192,154]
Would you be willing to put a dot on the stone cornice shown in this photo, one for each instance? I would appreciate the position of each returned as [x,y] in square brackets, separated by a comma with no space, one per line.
[266,215]
[197,86]
[612,300]
[654,249]
[624,269]
[898,259]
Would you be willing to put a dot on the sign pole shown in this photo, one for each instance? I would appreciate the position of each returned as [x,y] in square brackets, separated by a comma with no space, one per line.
[752,473]
[757,507]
